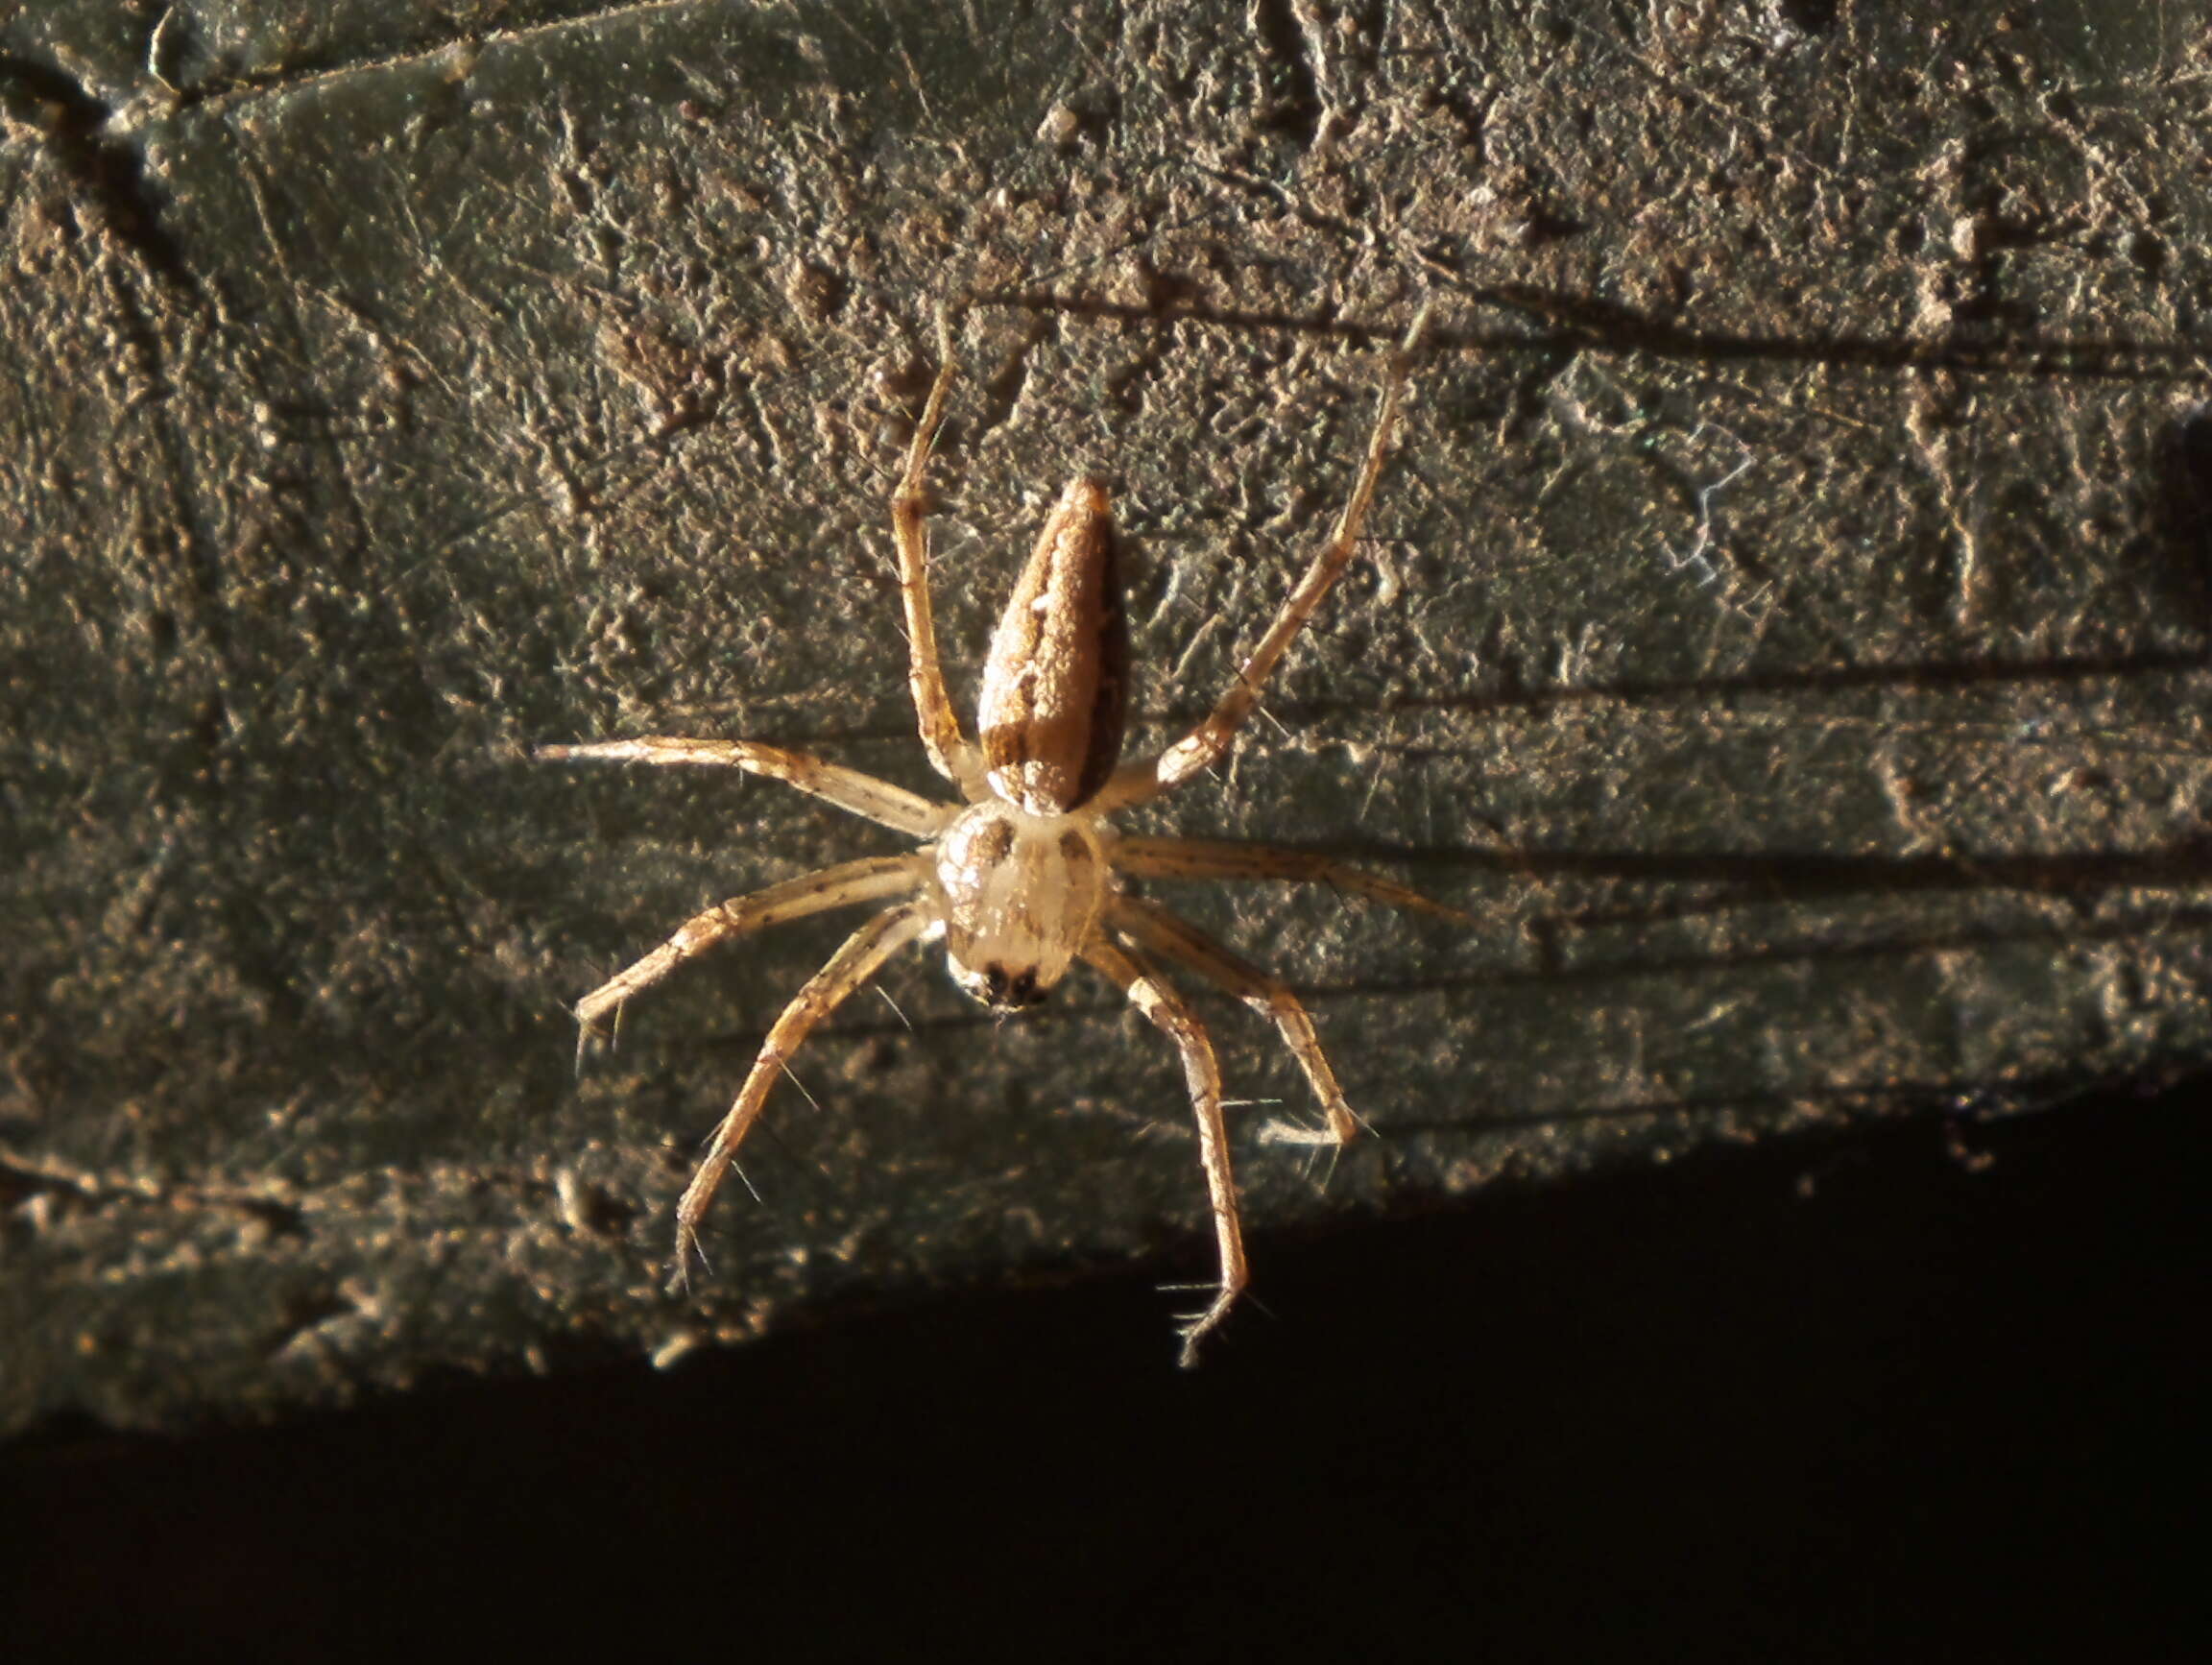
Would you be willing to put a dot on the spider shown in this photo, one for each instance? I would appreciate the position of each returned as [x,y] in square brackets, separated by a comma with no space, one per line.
[1023,876]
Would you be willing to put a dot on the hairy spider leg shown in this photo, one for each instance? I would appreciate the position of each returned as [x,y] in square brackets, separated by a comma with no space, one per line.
[862,956]
[1156,930]
[1178,857]
[862,794]
[871,878]
[1205,745]
[951,754]
[1168,1011]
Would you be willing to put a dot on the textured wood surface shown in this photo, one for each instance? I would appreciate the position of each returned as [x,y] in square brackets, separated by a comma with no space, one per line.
[1785,624]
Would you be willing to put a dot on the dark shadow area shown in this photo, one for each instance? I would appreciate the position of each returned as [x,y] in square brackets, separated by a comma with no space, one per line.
[2177,548]
[1574,324]
[1921,1392]
[110,174]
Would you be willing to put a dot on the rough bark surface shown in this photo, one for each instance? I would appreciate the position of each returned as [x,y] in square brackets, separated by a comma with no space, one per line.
[1785,624]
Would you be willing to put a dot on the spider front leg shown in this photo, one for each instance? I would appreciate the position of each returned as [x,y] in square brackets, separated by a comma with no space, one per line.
[950,752]
[1157,930]
[869,880]
[1205,745]
[862,956]
[1168,1011]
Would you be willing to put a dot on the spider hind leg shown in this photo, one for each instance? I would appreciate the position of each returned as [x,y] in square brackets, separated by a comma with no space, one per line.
[851,791]
[1205,745]
[951,754]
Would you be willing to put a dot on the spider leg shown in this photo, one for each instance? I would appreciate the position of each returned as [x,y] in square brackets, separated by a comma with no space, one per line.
[869,880]
[950,752]
[862,954]
[1172,858]
[1205,745]
[864,795]
[1155,929]
[1168,1011]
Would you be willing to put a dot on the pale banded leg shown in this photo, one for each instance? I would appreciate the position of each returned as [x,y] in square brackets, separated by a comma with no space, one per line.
[1156,930]
[862,794]
[862,954]
[869,880]
[1204,746]
[950,752]
[1154,996]
[1171,857]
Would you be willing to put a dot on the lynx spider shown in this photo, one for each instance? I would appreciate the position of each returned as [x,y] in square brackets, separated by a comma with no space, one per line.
[1022,877]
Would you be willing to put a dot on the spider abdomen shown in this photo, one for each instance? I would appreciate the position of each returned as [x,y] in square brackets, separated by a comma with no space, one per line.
[1055,686]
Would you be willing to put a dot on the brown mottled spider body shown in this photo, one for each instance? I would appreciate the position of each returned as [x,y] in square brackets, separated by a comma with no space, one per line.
[1024,877]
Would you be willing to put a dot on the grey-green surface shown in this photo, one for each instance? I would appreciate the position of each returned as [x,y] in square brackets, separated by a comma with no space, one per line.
[1785,625]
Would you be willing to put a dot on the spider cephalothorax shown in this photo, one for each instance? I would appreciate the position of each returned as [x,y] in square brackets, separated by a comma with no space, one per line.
[1021,893]
[1022,877]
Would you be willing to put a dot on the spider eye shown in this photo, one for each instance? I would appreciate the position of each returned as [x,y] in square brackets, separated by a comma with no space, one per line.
[1010,992]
